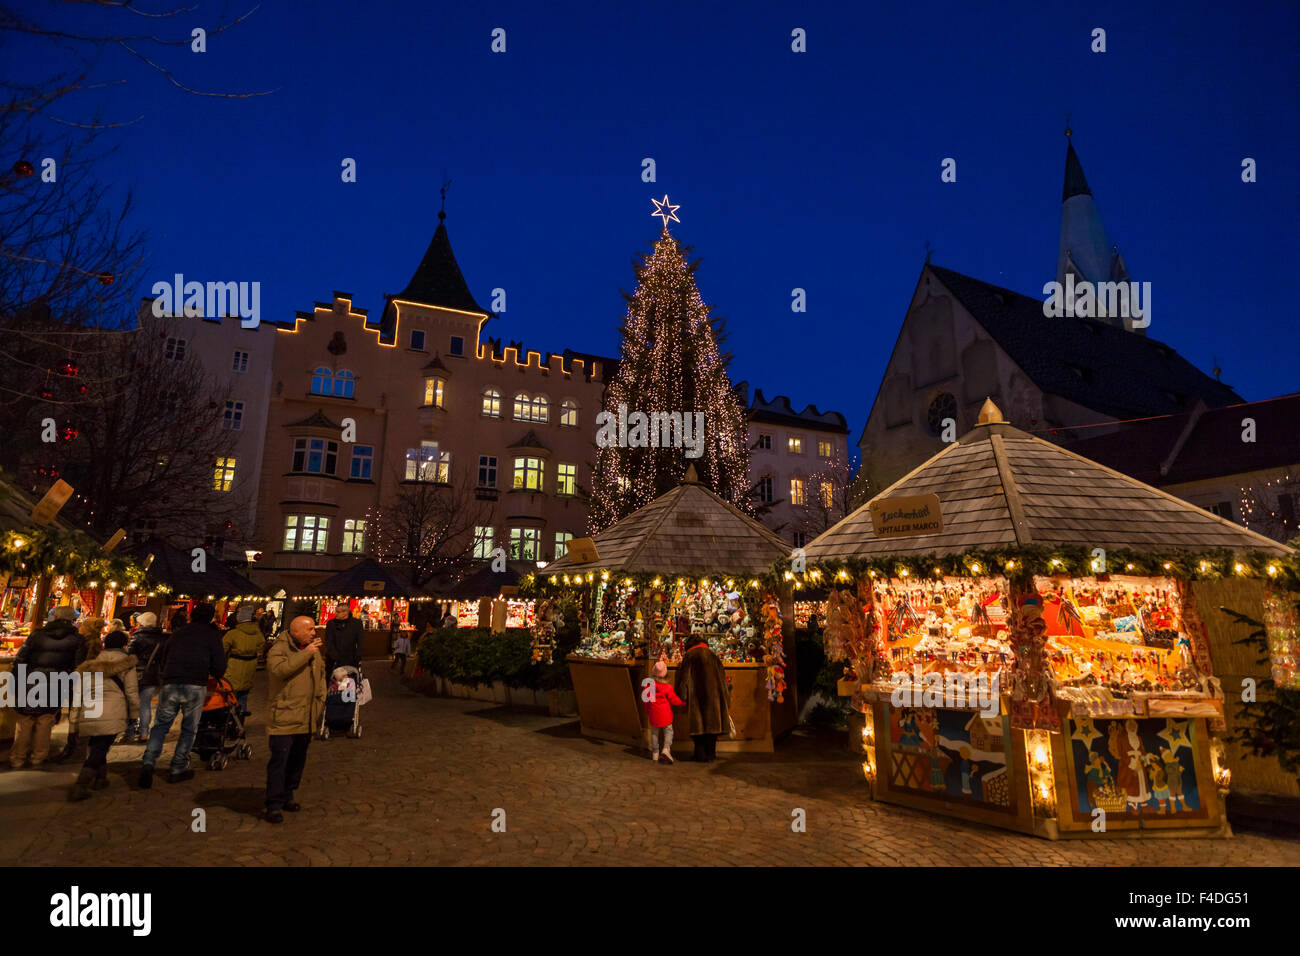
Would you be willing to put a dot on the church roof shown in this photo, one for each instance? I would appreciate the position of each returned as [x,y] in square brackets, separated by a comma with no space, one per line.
[1001,487]
[688,530]
[1204,443]
[1099,366]
[1075,183]
[438,279]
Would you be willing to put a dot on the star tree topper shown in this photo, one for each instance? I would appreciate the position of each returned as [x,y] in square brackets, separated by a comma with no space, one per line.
[665,210]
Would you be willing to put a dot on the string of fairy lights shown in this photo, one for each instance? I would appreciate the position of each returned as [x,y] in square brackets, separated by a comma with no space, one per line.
[670,362]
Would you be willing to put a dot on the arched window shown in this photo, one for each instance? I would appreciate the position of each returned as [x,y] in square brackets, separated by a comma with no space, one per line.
[322,381]
[541,408]
[343,383]
[532,409]
[521,407]
[569,413]
[492,403]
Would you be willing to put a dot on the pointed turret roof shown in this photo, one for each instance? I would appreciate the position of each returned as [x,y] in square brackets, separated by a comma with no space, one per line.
[438,279]
[1075,183]
[1084,249]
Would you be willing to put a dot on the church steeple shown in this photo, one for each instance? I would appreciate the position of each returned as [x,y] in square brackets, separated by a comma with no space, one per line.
[1084,249]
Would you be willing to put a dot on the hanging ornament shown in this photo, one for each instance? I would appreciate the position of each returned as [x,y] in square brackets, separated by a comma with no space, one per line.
[106,278]
[24,169]
[69,433]
[68,370]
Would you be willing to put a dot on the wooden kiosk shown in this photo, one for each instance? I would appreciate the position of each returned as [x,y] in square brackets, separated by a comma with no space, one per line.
[1026,641]
[369,586]
[686,563]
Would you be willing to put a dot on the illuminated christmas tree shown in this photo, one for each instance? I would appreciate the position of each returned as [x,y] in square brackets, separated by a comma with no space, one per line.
[672,373]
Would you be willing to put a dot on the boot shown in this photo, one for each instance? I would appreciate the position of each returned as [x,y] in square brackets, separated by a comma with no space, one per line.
[101,778]
[68,749]
[81,789]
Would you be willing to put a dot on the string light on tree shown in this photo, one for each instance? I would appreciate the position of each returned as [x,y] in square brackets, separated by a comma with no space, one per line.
[670,363]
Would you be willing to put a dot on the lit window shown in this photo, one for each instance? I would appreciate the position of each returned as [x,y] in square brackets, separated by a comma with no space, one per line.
[566,480]
[417,339]
[562,539]
[534,409]
[528,473]
[428,463]
[482,541]
[824,449]
[175,350]
[306,533]
[765,442]
[796,491]
[233,420]
[795,444]
[624,484]
[343,383]
[525,544]
[828,495]
[569,413]
[241,362]
[492,403]
[457,345]
[322,381]
[487,471]
[765,488]
[223,477]
[363,459]
[433,392]
[354,536]
[800,538]
[316,456]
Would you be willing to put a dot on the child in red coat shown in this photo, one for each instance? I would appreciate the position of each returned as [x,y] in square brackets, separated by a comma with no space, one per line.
[659,708]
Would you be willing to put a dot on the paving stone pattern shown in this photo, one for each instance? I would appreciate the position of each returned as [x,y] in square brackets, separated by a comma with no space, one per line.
[421,784]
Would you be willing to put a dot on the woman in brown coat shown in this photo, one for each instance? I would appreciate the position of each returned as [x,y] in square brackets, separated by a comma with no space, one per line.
[702,683]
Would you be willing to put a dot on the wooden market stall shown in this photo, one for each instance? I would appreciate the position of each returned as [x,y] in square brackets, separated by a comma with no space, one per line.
[688,562]
[380,596]
[176,579]
[487,596]
[1026,643]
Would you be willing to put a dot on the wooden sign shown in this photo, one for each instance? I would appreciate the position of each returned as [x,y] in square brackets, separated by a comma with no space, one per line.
[906,517]
[114,541]
[53,501]
[582,550]
[509,590]
[370,586]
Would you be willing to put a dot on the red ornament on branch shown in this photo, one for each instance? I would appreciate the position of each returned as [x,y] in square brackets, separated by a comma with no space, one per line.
[24,169]
[106,278]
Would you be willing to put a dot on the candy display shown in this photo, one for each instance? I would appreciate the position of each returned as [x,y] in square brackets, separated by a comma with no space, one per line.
[548,620]
[1283,632]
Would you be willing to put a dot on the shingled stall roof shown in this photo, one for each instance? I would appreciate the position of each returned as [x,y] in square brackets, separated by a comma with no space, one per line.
[688,530]
[351,582]
[174,568]
[1084,360]
[1001,487]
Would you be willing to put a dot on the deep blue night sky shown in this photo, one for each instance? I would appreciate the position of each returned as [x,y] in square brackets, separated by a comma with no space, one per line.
[818,170]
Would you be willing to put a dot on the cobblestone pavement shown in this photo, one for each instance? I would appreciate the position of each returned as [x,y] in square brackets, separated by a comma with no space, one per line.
[421,785]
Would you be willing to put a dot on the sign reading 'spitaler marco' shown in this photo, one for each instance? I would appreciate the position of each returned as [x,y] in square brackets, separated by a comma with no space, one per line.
[906,517]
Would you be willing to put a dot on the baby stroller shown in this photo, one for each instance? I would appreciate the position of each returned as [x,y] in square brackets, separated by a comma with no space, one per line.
[221,727]
[343,703]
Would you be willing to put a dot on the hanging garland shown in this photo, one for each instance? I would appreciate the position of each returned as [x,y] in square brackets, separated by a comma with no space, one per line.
[53,551]
[1075,560]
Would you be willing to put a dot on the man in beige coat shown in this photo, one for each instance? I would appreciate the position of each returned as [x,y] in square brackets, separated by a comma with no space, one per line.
[296,702]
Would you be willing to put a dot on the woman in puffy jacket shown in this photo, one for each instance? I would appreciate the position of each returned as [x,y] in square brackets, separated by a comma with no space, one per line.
[110,698]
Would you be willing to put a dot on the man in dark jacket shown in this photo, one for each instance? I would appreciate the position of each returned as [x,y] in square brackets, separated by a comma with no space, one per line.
[52,649]
[147,639]
[343,636]
[194,654]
